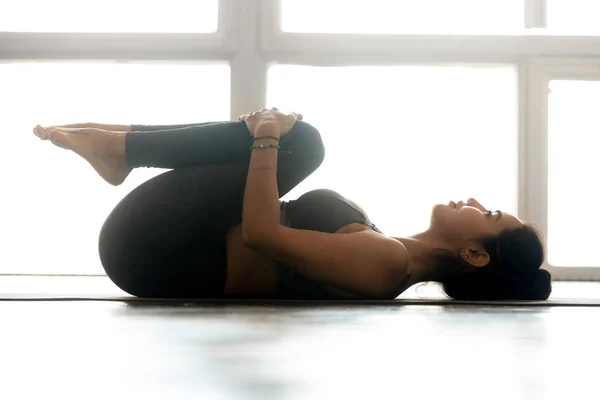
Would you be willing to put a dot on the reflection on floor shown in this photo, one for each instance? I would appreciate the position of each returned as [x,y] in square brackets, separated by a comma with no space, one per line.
[99,350]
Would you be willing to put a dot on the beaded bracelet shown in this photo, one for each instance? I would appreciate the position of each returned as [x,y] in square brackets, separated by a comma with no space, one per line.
[263,146]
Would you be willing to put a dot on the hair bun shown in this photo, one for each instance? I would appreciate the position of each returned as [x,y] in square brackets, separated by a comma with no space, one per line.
[541,285]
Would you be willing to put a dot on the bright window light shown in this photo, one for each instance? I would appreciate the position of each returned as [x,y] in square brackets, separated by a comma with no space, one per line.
[123,16]
[403,16]
[53,202]
[573,165]
[401,139]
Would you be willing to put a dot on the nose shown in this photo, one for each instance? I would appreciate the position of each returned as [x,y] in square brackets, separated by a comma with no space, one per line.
[474,203]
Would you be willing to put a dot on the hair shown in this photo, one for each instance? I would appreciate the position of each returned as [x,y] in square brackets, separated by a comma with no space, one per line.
[513,272]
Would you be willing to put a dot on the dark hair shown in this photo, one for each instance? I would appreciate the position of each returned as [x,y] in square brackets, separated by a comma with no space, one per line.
[513,272]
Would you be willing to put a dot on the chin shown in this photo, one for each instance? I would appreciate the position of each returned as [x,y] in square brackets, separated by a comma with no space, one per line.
[443,207]
[438,213]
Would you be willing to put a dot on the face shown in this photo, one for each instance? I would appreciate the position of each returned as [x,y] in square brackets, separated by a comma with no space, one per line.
[469,221]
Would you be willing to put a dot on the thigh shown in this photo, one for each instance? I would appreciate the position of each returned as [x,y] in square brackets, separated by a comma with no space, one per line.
[167,237]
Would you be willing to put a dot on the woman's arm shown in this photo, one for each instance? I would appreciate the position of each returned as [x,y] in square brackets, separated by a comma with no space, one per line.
[260,208]
[366,262]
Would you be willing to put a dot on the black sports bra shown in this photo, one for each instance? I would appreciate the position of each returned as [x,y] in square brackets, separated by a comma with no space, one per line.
[320,210]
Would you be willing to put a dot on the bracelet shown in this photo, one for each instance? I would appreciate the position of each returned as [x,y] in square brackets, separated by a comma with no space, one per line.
[266,137]
[265,146]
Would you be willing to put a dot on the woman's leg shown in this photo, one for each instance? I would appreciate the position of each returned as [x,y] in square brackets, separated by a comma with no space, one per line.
[114,154]
[221,143]
[167,237]
[190,146]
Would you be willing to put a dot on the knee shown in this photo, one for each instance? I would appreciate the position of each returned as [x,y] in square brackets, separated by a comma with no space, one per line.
[307,139]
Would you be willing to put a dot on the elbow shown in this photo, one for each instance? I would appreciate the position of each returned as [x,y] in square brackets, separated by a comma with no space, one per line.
[254,240]
[248,239]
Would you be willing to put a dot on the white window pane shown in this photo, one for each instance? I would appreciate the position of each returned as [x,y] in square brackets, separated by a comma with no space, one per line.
[401,139]
[403,16]
[573,17]
[573,165]
[53,202]
[124,16]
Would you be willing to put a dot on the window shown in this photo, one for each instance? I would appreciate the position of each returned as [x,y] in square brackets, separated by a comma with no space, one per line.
[403,16]
[573,165]
[452,99]
[401,139]
[54,203]
[573,17]
[125,16]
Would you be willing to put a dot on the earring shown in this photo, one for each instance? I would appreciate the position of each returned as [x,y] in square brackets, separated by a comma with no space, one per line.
[463,254]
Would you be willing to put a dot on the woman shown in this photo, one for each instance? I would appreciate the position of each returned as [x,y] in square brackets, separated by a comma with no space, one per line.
[213,226]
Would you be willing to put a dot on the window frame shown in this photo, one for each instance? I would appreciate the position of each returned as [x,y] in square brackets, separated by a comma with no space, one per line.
[122,46]
[399,48]
[542,72]
[250,39]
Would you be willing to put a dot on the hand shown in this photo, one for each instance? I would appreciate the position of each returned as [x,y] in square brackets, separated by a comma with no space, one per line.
[269,121]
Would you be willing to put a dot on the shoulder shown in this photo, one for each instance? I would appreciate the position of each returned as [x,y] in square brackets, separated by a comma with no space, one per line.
[395,251]
[382,261]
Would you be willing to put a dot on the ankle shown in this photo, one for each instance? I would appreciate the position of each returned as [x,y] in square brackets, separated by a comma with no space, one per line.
[117,146]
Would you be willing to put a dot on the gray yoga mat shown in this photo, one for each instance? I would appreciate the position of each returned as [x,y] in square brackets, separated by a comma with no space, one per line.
[73,288]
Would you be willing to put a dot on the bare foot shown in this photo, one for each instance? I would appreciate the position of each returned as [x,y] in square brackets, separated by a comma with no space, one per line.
[104,150]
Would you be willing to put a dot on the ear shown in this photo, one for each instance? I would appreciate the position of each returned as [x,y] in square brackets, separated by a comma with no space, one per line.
[476,256]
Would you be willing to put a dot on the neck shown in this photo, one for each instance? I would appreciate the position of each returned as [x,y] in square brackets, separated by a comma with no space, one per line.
[420,248]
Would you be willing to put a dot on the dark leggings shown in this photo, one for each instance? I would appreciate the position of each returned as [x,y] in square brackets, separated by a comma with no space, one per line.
[167,237]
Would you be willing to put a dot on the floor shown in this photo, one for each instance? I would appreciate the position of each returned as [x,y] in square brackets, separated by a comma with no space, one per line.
[132,350]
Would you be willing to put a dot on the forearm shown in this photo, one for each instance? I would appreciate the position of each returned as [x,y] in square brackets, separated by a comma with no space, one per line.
[260,210]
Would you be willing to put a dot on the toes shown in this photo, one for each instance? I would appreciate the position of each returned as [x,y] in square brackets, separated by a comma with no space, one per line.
[55,136]
[49,134]
[38,131]
[44,133]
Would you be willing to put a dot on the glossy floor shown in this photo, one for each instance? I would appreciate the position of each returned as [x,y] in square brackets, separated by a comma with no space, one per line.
[106,350]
